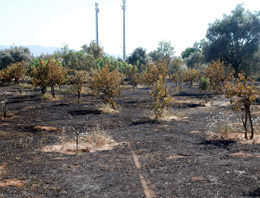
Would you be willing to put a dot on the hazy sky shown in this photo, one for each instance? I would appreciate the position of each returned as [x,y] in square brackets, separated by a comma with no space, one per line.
[72,22]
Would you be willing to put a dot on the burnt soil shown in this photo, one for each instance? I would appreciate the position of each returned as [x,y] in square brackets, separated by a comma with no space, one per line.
[167,158]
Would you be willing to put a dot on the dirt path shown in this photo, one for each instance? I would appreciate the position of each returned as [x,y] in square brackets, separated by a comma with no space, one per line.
[148,193]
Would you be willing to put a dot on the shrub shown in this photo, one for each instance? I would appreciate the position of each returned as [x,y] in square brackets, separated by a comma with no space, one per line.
[106,84]
[14,71]
[242,93]
[161,66]
[204,83]
[191,75]
[204,86]
[135,79]
[150,75]
[178,78]
[56,74]
[160,97]
[4,76]
[133,76]
[215,72]
[40,76]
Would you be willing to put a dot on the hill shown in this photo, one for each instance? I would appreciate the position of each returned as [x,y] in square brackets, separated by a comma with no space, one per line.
[36,50]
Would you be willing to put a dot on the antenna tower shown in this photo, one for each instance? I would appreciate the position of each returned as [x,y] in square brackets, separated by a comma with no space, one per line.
[97,11]
[124,8]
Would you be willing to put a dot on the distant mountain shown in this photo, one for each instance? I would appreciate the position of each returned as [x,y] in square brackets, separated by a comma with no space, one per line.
[36,50]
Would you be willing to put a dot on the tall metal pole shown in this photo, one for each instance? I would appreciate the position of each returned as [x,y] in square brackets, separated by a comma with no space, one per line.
[124,8]
[97,11]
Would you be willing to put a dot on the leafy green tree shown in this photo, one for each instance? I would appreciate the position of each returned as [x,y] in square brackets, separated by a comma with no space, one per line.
[165,48]
[195,60]
[13,55]
[234,39]
[187,52]
[138,57]
[78,60]
[113,63]
[164,51]
[175,65]
[156,55]
[93,49]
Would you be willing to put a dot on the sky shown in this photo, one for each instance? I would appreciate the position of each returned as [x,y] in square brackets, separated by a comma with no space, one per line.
[54,23]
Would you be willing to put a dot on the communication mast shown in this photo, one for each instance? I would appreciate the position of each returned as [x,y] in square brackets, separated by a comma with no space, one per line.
[124,8]
[97,11]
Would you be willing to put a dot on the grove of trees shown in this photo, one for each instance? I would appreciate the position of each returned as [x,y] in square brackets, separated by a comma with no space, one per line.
[231,47]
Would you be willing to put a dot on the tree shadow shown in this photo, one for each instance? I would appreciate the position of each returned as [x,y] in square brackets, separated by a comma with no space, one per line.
[85,112]
[218,143]
[254,193]
[145,121]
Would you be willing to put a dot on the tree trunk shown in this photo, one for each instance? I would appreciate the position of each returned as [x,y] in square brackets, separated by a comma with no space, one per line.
[180,87]
[5,109]
[43,90]
[244,124]
[52,92]
[16,81]
[79,96]
[112,102]
[77,142]
[251,123]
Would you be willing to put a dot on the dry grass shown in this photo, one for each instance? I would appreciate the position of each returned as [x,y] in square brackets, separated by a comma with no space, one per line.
[226,129]
[173,117]
[199,178]
[98,138]
[232,132]
[241,154]
[245,154]
[48,96]
[195,132]
[9,182]
[46,128]
[69,148]
[175,156]
[12,182]
[106,108]
[167,115]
